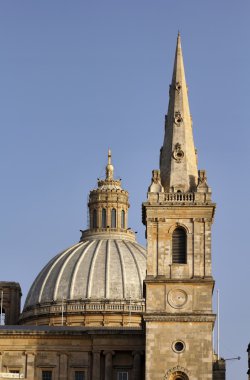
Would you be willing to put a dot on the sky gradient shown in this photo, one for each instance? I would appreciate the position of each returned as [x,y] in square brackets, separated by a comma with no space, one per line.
[78,77]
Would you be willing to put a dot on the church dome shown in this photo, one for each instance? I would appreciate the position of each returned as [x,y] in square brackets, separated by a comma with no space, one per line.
[99,267]
[98,281]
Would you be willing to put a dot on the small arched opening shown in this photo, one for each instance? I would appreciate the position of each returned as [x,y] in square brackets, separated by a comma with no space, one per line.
[178,375]
[104,218]
[94,223]
[113,218]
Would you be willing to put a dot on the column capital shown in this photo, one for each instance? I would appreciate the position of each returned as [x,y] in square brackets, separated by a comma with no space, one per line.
[106,352]
[138,352]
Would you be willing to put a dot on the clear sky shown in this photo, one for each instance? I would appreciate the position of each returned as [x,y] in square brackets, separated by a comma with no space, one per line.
[77,77]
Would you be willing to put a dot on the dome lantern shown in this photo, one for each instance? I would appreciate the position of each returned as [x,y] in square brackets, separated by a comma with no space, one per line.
[108,205]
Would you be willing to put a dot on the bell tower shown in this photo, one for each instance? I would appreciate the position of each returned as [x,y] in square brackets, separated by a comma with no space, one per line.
[178,216]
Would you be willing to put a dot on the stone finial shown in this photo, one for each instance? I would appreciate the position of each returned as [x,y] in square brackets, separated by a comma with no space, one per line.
[109,167]
[156,186]
[202,182]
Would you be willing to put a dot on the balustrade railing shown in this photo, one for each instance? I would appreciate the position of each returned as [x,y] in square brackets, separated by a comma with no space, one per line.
[87,306]
[179,197]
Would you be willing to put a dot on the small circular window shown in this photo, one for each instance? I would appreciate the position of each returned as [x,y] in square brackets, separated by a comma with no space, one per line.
[178,346]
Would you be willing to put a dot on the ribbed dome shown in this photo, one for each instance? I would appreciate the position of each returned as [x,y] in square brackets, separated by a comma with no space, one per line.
[101,267]
[98,281]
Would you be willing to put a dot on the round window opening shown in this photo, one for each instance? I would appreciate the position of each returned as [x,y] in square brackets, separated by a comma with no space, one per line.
[179,347]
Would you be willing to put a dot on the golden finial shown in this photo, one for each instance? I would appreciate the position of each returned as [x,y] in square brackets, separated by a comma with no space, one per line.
[109,167]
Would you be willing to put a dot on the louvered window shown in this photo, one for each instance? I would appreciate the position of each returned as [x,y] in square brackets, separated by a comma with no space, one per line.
[179,246]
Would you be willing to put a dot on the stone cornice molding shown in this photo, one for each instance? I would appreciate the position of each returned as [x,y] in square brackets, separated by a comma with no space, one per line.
[192,281]
[179,318]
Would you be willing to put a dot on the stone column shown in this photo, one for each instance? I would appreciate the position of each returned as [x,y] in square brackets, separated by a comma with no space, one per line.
[96,365]
[108,364]
[136,365]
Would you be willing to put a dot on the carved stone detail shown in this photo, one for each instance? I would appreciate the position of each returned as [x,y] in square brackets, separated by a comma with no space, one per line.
[178,153]
[178,118]
[178,87]
[177,298]
[202,182]
[156,186]
[178,370]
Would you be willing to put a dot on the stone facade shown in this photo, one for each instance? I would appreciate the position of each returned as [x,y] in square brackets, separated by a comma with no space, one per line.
[11,302]
[219,368]
[96,353]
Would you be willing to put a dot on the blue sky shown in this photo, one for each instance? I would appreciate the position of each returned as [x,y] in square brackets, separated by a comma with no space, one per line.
[77,77]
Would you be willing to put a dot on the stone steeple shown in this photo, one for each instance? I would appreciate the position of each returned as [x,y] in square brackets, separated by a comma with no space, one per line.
[178,163]
[178,216]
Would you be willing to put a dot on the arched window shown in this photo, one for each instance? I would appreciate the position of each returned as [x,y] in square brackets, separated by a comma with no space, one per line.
[104,218]
[179,376]
[123,219]
[113,218]
[94,218]
[179,246]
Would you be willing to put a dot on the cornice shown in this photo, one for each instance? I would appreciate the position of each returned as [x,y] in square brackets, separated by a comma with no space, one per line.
[192,281]
[148,317]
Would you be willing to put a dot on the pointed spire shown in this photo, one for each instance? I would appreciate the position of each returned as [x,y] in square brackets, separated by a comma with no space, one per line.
[109,167]
[178,72]
[178,157]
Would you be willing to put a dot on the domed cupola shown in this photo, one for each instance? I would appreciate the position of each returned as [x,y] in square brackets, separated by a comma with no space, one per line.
[108,205]
[98,281]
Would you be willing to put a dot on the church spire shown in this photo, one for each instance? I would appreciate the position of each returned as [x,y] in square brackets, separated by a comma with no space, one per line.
[178,162]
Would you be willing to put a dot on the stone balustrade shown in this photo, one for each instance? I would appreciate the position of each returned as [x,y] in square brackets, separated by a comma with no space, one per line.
[85,307]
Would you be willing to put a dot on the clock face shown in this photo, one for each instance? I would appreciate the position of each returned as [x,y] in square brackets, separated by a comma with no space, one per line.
[177,298]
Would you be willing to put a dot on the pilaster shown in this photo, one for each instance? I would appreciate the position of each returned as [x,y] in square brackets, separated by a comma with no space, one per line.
[63,366]
[136,365]
[30,367]
[96,365]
